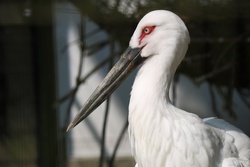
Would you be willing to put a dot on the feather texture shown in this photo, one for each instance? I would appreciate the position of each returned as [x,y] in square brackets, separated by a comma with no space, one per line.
[162,135]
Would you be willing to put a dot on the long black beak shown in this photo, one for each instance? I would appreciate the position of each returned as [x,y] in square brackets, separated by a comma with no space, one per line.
[129,60]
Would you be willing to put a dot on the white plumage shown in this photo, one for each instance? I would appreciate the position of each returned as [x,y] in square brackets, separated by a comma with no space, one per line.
[162,135]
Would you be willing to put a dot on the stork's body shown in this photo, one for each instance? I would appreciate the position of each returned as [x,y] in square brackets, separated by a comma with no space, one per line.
[162,135]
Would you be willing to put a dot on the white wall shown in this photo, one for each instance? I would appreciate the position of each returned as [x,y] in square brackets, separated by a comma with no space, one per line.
[85,138]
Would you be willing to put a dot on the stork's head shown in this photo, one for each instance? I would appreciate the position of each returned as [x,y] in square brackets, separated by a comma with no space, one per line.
[158,32]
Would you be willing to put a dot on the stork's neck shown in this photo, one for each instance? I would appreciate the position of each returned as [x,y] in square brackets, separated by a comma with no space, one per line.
[149,101]
[153,80]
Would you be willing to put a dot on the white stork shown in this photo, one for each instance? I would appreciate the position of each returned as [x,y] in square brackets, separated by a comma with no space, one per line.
[162,135]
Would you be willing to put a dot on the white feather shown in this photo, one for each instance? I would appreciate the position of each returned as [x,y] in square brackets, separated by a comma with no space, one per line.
[162,135]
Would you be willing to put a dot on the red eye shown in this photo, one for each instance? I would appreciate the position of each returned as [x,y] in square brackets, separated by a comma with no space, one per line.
[146,31]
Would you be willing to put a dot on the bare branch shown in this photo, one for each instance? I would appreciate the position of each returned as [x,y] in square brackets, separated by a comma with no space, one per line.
[82,80]
[83,54]
[212,73]
[213,100]
[112,159]
[104,128]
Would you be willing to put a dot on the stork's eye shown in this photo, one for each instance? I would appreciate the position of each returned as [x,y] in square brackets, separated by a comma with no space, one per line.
[146,31]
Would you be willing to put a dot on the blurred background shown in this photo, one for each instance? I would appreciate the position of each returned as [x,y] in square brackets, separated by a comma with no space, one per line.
[53,53]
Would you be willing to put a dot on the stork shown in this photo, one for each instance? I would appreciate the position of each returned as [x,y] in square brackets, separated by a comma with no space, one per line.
[162,135]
